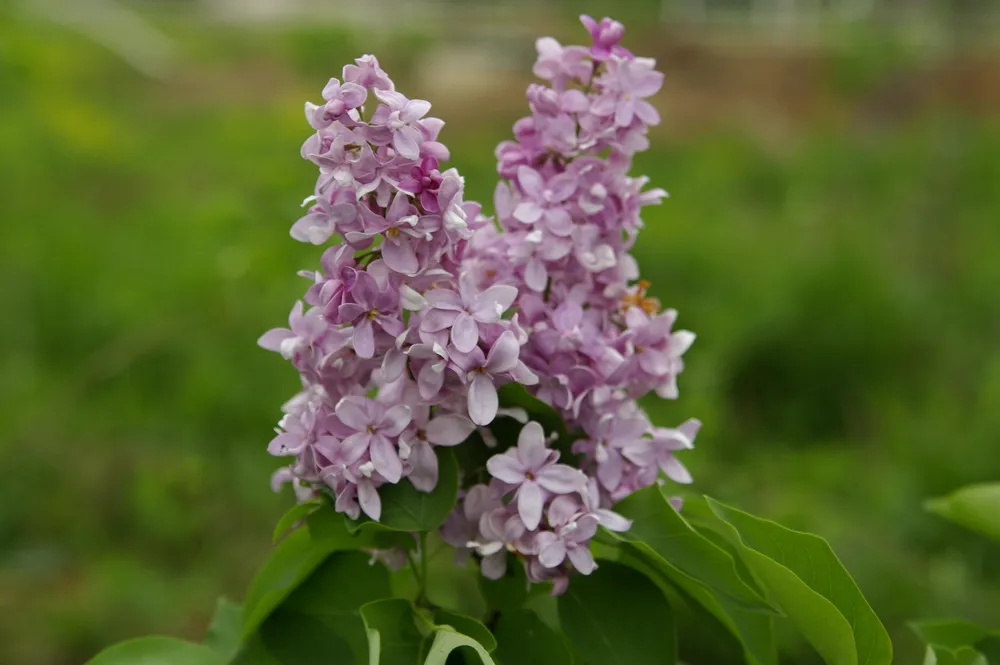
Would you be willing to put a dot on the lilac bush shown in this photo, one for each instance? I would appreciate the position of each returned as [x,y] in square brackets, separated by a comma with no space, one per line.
[425,305]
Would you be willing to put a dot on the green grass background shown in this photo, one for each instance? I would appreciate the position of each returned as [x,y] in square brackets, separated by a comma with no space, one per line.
[844,283]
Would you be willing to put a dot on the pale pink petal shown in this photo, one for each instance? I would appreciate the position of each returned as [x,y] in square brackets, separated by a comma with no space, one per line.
[535,275]
[415,110]
[531,448]
[489,305]
[586,528]
[483,400]
[528,212]
[561,479]
[465,333]
[430,379]
[582,559]
[506,468]
[529,504]
[675,470]
[424,475]
[400,256]
[437,319]
[449,430]
[354,446]
[551,554]
[285,444]
[353,412]
[395,420]
[272,339]
[624,112]
[494,566]
[612,520]
[364,339]
[369,499]
[406,140]
[610,471]
[393,364]
[443,299]
[690,429]
[562,509]
[386,459]
[503,354]
[530,180]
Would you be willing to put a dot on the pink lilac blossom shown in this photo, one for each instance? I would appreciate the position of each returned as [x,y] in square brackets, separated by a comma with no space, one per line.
[426,307]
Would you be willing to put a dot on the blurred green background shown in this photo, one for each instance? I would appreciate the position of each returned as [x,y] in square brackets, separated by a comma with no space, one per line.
[832,237]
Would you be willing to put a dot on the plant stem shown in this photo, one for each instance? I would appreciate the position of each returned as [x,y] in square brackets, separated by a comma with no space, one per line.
[422,598]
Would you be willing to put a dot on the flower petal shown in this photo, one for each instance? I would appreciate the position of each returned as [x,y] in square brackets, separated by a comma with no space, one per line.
[582,559]
[369,499]
[465,333]
[531,450]
[527,212]
[353,412]
[552,554]
[449,430]
[503,354]
[400,257]
[507,468]
[489,305]
[353,447]
[483,400]
[395,420]
[364,339]
[529,504]
[386,459]
[494,566]
[530,180]
[424,475]
[675,470]
[562,479]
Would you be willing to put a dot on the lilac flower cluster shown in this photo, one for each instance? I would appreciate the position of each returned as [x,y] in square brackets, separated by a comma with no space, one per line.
[424,307]
[400,350]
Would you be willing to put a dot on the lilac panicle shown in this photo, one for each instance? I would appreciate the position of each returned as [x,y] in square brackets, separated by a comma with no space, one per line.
[425,307]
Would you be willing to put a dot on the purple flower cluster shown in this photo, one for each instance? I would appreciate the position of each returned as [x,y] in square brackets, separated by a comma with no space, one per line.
[400,350]
[424,307]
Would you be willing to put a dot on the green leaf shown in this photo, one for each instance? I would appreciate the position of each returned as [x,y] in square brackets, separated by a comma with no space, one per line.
[617,616]
[295,514]
[962,656]
[508,593]
[975,507]
[393,638]
[522,639]
[950,633]
[405,508]
[803,577]
[226,630]
[663,536]
[467,626]
[157,651]
[446,641]
[754,630]
[320,622]
[300,553]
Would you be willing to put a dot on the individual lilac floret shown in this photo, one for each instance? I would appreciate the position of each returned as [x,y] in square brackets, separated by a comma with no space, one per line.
[570,540]
[482,372]
[606,35]
[376,427]
[371,305]
[462,312]
[659,451]
[532,469]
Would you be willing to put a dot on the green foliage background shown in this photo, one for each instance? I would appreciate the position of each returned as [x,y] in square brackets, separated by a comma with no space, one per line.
[841,274]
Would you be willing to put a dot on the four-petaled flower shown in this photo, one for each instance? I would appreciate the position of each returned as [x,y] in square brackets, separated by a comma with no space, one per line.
[532,468]
[375,427]
[371,305]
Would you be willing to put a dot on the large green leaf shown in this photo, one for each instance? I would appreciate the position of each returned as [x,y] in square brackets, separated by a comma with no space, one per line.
[663,536]
[225,632]
[405,508]
[300,553]
[522,639]
[975,507]
[320,621]
[393,637]
[295,514]
[801,575]
[157,651]
[961,656]
[617,616]
[952,640]
[467,626]
[446,641]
